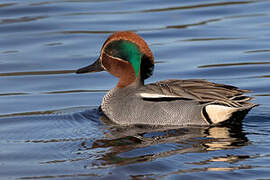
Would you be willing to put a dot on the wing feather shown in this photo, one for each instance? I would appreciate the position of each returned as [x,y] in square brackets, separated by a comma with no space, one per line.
[199,90]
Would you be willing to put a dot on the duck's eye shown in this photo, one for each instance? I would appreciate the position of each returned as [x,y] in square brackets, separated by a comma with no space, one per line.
[122,49]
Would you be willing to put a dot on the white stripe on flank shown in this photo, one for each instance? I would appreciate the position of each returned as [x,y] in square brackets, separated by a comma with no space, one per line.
[148,95]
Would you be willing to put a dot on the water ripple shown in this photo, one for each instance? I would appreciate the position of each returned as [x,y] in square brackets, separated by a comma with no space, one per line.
[33,73]
[7,4]
[233,64]
[22,19]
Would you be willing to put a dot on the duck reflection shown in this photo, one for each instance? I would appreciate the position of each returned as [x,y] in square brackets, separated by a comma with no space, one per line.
[140,143]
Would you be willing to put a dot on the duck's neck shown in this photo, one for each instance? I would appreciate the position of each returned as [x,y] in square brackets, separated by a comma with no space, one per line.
[127,81]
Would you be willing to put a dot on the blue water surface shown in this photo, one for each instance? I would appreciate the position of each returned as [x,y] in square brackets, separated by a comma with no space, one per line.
[50,126]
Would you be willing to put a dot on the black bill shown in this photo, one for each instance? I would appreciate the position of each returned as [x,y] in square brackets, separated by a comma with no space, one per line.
[95,67]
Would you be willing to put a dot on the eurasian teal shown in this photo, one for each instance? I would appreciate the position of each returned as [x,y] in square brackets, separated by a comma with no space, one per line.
[170,102]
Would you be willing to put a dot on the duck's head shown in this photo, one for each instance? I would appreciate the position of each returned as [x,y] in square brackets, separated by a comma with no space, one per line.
[126,56]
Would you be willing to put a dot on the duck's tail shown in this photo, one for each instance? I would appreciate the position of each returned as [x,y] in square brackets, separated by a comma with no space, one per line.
[216,113]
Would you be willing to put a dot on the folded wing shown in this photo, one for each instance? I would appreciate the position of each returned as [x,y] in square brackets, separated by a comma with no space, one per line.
[195,89]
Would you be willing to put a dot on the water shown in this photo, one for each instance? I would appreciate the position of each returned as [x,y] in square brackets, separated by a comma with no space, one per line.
[50,127]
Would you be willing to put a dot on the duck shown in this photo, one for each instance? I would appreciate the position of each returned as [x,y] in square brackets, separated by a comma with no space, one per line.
[179,102]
